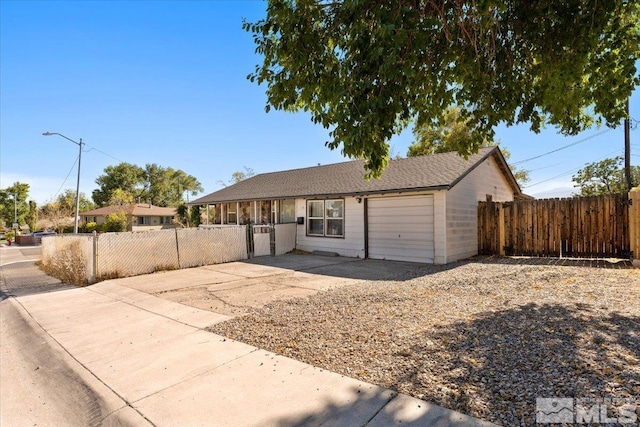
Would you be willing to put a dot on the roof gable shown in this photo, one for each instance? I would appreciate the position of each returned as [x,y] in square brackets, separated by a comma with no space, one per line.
[437,171]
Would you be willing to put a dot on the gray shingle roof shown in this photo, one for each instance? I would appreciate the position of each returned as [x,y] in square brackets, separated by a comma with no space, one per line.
[435,171]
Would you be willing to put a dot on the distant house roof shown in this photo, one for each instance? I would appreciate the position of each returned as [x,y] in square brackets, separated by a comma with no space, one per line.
[139,209]
[433,172]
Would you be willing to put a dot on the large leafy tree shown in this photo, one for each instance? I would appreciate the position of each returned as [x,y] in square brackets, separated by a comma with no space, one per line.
[124,176]
[451,135]
[366,69]
[166,186]
[159,185]
[67,199]
[9,206]
[604,177]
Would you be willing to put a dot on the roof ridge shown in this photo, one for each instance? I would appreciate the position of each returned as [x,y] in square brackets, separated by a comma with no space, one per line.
[448,153]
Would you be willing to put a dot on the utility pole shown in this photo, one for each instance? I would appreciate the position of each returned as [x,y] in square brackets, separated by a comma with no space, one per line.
[15,209]
[76,220]
[627,148]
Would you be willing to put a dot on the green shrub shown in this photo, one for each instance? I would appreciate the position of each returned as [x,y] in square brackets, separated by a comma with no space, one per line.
[115,222]
[90,227]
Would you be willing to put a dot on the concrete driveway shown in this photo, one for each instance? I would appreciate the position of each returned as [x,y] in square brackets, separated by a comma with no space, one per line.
[234,288]
[109,354]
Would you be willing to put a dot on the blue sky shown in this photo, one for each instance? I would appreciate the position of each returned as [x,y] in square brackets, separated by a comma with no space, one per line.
[165,82]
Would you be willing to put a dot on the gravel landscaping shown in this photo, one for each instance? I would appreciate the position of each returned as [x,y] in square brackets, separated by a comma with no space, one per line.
[482,338]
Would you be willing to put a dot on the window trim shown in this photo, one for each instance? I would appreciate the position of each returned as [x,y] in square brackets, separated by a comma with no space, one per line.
[325,218]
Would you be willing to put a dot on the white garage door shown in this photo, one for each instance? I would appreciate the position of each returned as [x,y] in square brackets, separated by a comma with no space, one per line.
[401,228]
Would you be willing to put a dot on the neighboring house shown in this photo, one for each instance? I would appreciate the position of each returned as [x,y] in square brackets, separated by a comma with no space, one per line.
[423,209]
[140,217]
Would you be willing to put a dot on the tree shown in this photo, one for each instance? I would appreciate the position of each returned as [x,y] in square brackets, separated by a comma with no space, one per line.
[68,200]
[451,135]
[182,215]
[59,213]
[604,177]
[9,206]
[366,69]
[156,184]
[238,176]
[56,215]
[124,176]
[120,197]
[165,186]
[32,216]
[115,222]
[196,216]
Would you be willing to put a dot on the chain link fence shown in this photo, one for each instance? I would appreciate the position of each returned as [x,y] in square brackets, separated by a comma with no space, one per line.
[131,254]
[206,246]
[82,259]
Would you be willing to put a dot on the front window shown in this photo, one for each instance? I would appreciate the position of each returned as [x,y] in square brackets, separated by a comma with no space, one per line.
[166,220]
[287,211]
[143,220]
[325,218]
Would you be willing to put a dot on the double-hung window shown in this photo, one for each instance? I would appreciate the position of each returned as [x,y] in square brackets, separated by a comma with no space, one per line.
[325,218]
[166,220]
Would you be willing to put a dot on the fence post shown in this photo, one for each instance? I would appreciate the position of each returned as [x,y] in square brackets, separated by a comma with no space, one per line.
[272,239]
[501,235]
[177,247]
[95,256]
[249,228]
[634,225]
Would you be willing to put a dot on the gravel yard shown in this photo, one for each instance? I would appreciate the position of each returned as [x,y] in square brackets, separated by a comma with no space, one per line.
[481,338]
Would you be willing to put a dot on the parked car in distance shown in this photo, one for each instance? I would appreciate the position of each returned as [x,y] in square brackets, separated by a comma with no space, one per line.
[38,235]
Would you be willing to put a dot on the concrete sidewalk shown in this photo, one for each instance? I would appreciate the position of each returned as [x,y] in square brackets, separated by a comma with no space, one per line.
[155,356]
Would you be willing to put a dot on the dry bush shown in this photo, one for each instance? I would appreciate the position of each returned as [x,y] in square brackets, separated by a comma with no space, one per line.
[68,265]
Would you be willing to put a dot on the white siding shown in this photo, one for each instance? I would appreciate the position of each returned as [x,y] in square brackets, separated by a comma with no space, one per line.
[402,228]
[462,207]
[352,245]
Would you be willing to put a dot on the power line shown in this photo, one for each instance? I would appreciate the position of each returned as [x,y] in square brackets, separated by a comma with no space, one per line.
[543,167]
[563,147]
[569,172]
[106,154]
[67,177]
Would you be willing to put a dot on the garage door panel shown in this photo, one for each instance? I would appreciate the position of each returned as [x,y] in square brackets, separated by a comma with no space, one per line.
[408,233]
[385,210]
[408,201]
[401,228]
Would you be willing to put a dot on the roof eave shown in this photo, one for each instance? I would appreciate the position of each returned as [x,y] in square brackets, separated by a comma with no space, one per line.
[323,195]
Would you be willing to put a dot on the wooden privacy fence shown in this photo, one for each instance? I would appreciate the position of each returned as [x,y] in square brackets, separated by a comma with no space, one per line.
[593,227]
